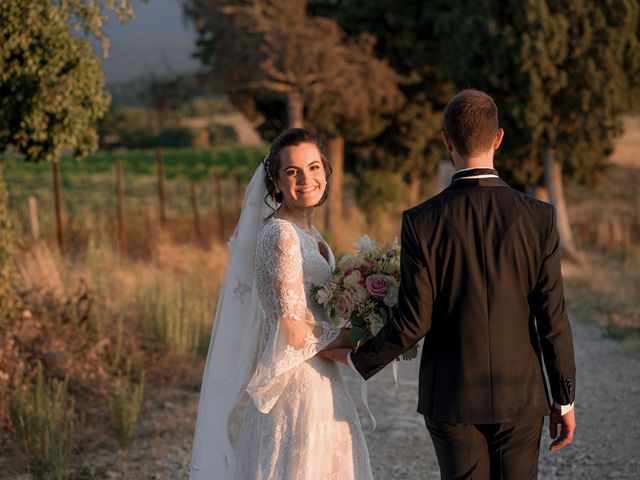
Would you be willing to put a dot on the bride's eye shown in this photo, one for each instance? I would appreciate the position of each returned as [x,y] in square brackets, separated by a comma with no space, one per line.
[290,173]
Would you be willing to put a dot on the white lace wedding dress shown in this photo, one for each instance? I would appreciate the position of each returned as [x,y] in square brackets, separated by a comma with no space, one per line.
[302,423]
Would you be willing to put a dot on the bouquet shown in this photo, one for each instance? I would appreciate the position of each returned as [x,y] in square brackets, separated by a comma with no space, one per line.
[363,291]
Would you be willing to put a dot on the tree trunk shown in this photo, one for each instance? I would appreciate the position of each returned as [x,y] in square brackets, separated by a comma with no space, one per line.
[553,180]
[295,110]
[414,188]
[334,202]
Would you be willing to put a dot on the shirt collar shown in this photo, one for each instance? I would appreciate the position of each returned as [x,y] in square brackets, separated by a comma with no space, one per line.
[467,173]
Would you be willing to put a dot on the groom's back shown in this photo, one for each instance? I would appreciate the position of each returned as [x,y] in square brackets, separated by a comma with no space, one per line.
[484,245]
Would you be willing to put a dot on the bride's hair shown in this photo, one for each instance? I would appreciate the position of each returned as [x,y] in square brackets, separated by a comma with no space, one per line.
[290,138]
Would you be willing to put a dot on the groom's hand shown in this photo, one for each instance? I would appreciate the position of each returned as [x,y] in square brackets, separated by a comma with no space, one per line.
[336,354]
[567,424]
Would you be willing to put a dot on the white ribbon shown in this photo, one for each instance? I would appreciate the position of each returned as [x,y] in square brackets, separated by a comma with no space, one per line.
[394,366]
[365,400]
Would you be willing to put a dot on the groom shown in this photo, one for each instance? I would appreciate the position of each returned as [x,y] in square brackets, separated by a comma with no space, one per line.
[481,282]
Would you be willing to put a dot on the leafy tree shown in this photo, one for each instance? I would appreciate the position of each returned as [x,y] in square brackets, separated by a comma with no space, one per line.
[271,47]
[51,83]
[259,51]
[410,143]
[562,73]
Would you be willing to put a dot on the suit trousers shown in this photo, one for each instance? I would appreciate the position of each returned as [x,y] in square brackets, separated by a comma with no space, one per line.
[500,451]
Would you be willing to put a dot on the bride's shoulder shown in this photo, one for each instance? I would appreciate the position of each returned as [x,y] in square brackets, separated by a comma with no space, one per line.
[276,231]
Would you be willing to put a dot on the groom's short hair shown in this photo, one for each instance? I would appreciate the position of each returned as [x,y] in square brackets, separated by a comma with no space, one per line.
[471,122]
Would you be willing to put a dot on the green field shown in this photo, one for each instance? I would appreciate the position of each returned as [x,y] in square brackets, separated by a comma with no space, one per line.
[178,162]
[88,186]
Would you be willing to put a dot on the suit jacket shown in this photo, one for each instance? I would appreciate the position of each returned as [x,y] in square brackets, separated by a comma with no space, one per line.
[481,282]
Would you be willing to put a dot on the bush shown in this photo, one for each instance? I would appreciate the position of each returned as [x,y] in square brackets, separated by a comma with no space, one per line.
[378,190]
[220,135]
[175,137]
[43,420]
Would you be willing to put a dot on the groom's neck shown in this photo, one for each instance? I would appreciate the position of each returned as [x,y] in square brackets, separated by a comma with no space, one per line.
[484,160]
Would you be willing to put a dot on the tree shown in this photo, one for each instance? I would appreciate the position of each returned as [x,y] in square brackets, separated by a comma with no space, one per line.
[259,51]
[410,143]
[355,107]
[51,83]
[271,47]
[561,72]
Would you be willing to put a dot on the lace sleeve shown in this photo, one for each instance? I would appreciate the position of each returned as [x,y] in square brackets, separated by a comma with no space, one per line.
[298,335]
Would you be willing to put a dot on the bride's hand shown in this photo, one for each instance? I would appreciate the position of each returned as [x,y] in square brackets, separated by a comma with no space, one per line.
[336,354]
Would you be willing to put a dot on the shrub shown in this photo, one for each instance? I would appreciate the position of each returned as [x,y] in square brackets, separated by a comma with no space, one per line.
[175,137]
[220,135]
[378,190]
[125,401]
[43,421]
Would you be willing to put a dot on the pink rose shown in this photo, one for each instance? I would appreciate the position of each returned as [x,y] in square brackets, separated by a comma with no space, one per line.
[344,305]
[377,285]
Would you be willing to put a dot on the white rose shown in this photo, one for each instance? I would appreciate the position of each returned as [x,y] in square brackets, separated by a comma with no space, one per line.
[353,279]
[347,262]
[391,297]
[360,294]
[323,295]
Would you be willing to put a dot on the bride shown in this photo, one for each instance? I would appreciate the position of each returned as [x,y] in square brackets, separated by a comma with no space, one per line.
[300,422]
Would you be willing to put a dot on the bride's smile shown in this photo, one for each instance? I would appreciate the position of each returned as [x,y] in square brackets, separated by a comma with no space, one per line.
[302,177]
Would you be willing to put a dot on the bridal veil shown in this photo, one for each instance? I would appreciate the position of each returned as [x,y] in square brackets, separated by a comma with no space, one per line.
[235,342]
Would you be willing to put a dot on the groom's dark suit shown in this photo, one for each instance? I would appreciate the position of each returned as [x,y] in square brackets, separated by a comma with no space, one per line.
[481,282]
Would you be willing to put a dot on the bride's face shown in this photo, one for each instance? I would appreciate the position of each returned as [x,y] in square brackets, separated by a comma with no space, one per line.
[301,178]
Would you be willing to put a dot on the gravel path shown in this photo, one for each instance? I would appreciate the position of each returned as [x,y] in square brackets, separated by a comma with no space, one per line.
[606,444]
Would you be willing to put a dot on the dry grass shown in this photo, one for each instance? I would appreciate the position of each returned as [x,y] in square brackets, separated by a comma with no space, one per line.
[605,290]
[83,320]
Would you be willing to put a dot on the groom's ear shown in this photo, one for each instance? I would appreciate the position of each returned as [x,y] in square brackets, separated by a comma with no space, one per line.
[498,140]
[448,144]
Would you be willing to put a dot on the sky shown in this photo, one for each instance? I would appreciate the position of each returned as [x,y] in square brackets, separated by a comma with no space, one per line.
[157,41]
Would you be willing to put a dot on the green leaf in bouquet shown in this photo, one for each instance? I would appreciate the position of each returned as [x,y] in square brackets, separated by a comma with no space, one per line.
[357,333]
[358,321]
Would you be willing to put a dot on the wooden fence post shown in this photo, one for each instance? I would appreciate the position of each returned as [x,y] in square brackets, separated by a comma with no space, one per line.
[120,207]
[33,218]
[195,211]
[160,168]
[217,192]
[57,195]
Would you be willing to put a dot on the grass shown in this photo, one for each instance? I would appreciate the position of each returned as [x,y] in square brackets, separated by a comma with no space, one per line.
[606,291]
[178,162]
[43,420]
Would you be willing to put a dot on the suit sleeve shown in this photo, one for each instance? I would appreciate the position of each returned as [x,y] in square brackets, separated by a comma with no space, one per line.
[413,318]
[552,322]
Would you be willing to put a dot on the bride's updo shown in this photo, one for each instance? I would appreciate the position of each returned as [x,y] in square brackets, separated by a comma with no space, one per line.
[290,138]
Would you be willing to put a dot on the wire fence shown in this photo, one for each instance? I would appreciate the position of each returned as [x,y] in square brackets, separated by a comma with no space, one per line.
[205,203]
